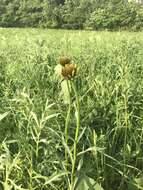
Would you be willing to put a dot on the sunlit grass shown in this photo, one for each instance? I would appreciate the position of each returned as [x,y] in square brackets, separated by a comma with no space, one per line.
[38,146]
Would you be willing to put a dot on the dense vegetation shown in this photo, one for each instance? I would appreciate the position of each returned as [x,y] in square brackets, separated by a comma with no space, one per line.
[72,14]
[36,152]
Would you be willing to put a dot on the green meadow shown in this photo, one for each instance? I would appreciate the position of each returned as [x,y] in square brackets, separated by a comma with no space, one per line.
[82,133]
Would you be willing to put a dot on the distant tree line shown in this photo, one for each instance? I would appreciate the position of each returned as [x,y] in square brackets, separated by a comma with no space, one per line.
[72,14]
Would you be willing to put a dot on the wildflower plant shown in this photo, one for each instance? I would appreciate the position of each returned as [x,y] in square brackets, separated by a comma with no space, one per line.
[67,71]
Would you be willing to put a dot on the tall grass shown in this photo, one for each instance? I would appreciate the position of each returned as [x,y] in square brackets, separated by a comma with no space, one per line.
[94,142]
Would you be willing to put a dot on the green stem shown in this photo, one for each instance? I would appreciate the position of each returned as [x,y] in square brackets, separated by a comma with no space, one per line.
[67,120]
[76,135]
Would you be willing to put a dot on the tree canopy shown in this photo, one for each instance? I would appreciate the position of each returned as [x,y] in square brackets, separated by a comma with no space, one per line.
[72,14]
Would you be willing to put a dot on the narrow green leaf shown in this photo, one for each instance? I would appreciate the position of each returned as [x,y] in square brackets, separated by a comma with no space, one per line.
[2,116]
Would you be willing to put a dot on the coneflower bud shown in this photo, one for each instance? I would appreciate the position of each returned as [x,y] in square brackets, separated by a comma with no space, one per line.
[64,60]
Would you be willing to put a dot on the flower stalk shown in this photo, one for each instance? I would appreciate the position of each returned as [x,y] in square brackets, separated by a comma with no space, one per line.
[68,71]
[67,120]
[76,134]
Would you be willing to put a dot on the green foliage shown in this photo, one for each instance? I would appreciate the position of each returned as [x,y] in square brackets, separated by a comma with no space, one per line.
[117,15]
[30,13]
[38,121]
[75,13]
[87,183]
[71,14]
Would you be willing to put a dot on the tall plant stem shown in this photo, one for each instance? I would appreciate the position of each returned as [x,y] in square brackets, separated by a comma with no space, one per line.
[76,134]
[67,120]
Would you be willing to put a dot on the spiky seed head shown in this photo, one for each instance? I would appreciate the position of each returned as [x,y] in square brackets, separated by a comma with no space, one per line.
[69,71]
[64,60]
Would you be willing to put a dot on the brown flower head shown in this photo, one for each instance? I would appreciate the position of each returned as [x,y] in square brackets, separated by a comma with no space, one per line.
[64,60]
[69,71]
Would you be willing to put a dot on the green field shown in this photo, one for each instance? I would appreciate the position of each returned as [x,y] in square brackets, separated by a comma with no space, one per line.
[91,141]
